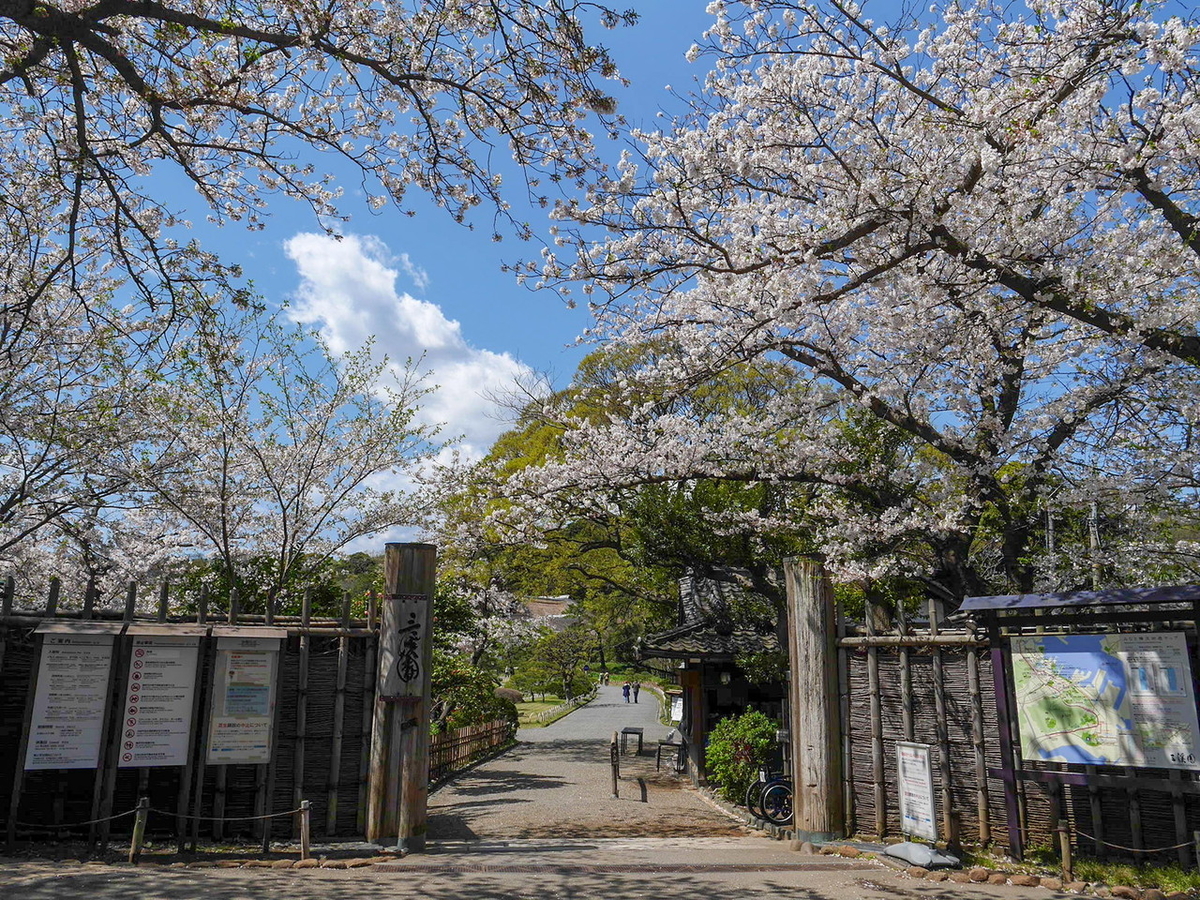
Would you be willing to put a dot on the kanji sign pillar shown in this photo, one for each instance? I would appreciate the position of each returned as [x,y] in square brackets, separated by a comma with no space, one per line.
[398,781]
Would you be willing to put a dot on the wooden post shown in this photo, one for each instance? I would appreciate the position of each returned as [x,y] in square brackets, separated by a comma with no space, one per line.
[398,794]
[298,759]
[139,829]
[1064,847]
[305,829]
[614,762]
[366,740]
[164,600]
[943,731]
[873,614]
[815,713]
[339,722]
[977,740]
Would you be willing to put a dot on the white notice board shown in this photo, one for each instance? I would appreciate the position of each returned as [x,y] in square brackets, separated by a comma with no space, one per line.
[914,767]
[158,701]
[243,708]
[68,705]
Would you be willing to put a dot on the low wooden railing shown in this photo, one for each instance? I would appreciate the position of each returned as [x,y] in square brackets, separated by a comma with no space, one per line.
[453,751]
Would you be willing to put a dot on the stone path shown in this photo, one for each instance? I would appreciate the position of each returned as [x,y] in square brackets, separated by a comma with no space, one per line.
[557,783]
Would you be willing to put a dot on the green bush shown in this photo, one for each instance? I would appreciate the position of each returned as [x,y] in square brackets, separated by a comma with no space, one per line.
[736,749]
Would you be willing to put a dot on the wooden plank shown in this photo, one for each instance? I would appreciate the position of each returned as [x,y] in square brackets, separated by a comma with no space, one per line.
[876,706]
[14,803]
[367,738]
[339,720]
[1135,812]
[943,731]
[189,767]
[1096,810]
[301,711]
[268,804]
[977,741]
[110,753]
[208,652]
[1179,813]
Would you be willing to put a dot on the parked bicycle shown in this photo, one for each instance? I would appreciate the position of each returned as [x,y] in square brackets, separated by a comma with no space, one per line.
[770,797]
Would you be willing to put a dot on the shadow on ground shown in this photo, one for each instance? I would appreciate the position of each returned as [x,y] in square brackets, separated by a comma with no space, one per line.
[447,883]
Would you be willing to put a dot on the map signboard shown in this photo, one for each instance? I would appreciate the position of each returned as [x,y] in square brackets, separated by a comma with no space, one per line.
[68,705]
[158,701]
[243,709]
[914,767]
[1106,699]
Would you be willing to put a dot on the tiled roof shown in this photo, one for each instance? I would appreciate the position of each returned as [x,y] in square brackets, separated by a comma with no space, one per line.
[708,640]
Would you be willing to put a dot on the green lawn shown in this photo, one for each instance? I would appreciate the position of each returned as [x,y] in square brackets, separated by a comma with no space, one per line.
[527,710]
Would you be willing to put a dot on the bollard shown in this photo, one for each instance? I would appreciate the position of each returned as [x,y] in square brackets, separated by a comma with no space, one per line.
[139,829]
[614,758]
[305,829]
[1064,846]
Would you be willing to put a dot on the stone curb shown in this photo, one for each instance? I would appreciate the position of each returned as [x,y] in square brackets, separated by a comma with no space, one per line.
[982,875]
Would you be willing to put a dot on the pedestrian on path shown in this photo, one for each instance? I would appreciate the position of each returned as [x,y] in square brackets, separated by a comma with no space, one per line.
[637,686]
[625,691]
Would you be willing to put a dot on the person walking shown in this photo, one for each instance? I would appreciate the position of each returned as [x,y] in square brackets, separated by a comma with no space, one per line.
[637,686]
[625,691]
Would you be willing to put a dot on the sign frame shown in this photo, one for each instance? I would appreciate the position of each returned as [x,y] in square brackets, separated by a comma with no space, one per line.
[914,779]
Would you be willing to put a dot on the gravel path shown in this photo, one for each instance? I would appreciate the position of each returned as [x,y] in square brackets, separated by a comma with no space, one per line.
[557,783]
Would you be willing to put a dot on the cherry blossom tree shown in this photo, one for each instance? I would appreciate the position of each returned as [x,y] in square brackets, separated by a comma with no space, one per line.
[242,99]
[976,227]
[275,453]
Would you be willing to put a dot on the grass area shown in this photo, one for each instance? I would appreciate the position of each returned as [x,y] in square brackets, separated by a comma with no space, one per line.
[526,710]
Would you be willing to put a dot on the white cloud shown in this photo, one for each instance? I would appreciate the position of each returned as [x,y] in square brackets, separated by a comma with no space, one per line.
[348,291]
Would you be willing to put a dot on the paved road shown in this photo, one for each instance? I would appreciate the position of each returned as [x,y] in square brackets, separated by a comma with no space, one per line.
[557,783]
[538,823]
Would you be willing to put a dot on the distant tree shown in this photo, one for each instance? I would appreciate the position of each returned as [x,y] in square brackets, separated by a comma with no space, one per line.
[274,451]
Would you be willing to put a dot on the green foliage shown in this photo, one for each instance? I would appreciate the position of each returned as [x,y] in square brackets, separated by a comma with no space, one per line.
[554,663]
[465,694]
[764,667]
[736,749]
[328,579]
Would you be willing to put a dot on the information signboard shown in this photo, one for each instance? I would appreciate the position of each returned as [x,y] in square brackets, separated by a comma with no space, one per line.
[1106,699]
[914,766]
[161,688]
[68,705]
[243,708]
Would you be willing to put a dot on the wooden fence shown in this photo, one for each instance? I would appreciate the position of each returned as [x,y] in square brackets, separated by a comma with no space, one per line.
[324,704]
[453,751]
[929,684]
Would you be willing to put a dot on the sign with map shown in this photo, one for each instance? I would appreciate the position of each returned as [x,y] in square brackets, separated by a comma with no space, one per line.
[1106,699]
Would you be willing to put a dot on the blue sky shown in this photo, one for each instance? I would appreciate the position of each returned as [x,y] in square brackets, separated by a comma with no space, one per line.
[424,285]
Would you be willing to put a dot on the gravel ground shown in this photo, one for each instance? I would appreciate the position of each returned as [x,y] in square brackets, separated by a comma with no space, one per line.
[557,782]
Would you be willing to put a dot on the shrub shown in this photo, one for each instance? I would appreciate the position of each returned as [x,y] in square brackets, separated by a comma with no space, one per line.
[736,749]
[509,694]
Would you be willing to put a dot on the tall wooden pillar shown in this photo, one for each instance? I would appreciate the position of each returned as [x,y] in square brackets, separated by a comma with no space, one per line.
[398,781]
[813,695]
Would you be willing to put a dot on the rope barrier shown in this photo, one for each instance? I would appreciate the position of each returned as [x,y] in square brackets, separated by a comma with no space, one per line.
[55,827]
[163,812]
[1084,834]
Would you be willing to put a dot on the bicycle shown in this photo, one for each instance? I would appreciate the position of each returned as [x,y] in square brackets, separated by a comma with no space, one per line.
[776,802]
[755,792]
